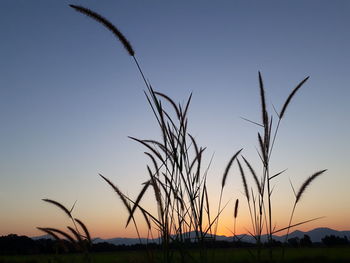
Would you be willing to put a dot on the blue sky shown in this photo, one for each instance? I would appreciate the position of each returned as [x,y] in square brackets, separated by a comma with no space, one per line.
[70,95]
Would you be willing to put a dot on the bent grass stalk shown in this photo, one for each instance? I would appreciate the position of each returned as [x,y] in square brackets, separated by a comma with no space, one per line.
[299,194]
[79,241]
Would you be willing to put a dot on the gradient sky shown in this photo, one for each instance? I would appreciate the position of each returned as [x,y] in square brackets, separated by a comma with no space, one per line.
[70,95]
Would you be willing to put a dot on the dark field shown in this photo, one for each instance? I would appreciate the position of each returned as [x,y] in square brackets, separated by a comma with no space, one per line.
[339,254]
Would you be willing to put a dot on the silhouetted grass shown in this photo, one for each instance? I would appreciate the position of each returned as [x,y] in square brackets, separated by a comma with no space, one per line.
[178,178]
[81,242]
[260,205]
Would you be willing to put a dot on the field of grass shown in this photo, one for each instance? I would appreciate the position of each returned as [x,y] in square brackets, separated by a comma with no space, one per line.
[339,254]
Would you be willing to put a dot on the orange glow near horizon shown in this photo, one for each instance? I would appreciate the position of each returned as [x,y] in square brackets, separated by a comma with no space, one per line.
[108,221]
[226,226]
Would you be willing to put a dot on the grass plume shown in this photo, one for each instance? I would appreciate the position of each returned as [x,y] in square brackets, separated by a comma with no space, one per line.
[291,95]
[236,208]
[263,101]
[298,196]
[228,167]
[85,229]
[97,17]
[59,205]
[306,184]
[50,230]
[256,180]
[244,181]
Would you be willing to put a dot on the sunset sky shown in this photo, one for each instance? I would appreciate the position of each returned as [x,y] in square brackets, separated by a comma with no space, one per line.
[70,95]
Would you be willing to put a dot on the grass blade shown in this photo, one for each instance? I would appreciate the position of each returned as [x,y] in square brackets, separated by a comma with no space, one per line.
[297,224]
[277,174]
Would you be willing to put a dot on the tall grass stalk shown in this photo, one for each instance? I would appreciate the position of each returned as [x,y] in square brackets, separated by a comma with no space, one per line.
[260,205]
[175,172]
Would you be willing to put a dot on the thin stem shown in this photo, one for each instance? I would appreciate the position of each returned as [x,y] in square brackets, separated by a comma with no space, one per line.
[289,224]
[274,138]
[217,219]
[141,72]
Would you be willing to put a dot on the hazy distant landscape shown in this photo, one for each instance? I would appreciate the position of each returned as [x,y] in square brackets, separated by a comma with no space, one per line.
[322,244]
[322,248]
[315,235]
[223,251]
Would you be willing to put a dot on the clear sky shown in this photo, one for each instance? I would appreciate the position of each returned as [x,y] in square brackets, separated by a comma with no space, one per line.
[70,95]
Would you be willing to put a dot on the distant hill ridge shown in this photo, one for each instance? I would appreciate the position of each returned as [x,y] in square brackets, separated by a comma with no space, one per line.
[315,235]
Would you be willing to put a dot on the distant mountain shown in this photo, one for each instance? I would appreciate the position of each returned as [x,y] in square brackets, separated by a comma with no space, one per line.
[315,235]
[42,237]
[134,241]
[125,241]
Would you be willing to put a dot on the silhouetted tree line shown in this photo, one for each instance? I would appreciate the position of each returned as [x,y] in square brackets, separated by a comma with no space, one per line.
[13,244]
[335,240]
[23,245]
[19,245]
[300,242]
[328,241]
